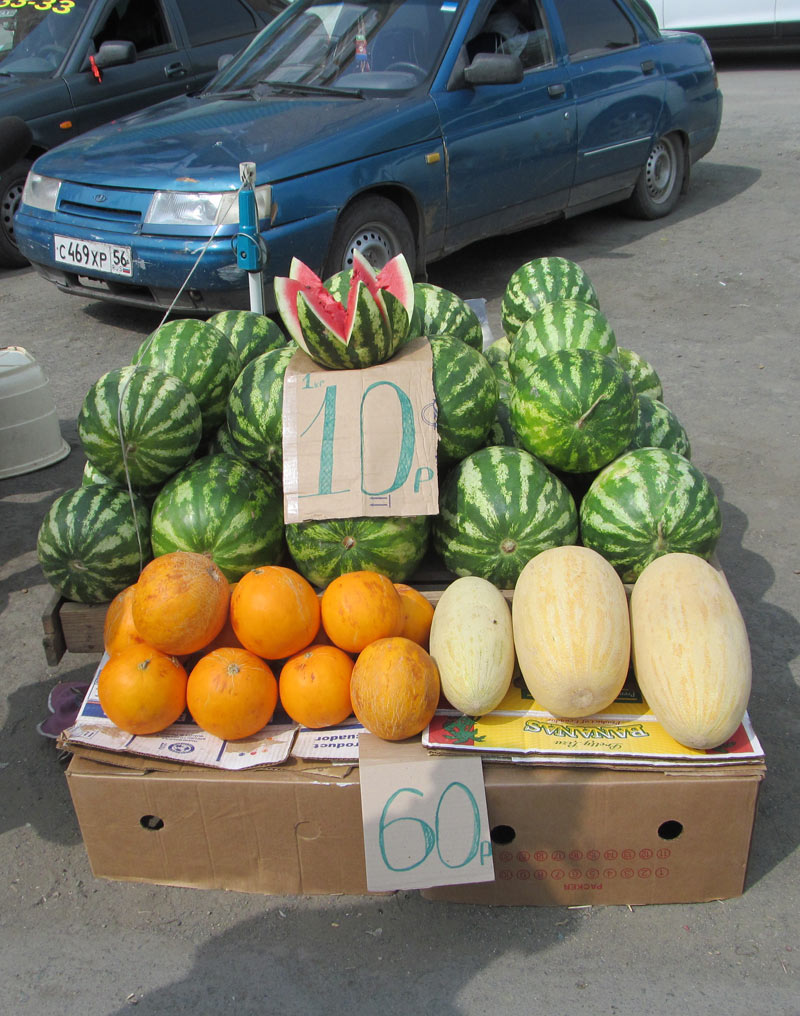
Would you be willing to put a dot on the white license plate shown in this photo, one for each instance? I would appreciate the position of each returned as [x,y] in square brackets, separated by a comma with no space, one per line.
[93,256]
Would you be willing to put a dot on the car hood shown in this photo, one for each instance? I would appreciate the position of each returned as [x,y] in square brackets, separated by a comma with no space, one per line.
[188,142]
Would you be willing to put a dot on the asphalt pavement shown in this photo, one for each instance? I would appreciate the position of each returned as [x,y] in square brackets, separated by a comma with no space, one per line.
[709,297]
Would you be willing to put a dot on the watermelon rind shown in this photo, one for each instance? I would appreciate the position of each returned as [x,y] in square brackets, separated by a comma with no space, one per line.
[161,426]
[255,410]
[222,507]
[643,375]
[539,282]
[498,508]
[575,409]
[439,311]
[200,356]
[658,427]
[93,542]
[649,502]
[564,324]
[467,393]
[249,333]
[498,351]
[392,545]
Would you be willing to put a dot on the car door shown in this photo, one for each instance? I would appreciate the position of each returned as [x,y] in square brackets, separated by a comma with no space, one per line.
[161,70]
[619,89]
[510,149]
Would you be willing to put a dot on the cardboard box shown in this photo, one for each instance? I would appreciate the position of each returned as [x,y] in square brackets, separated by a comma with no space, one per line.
[561,836]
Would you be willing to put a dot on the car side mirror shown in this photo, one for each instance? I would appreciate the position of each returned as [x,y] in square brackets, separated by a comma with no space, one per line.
[494,69]
[115,53]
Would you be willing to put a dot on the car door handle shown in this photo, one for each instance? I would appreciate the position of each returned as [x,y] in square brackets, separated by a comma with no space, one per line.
[648,66]
[175,70]
[556,91]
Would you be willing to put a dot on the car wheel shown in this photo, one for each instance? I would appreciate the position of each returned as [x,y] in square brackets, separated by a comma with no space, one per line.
[377,229]
[11,183]
[659,185]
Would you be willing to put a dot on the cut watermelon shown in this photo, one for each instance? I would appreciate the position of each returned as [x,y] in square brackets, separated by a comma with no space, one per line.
[360,321]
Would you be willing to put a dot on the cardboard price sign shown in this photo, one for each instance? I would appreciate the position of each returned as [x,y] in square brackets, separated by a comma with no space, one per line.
[425,820]
[360,442]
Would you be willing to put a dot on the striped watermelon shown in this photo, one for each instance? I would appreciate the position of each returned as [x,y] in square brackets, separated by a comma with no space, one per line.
[498,351]
[658,427]
[643,376]
[393,546]
[437,311]
[498,508]
[201,357]
[355,319]
[649,502]
[564,324]
[94,541]
[223,443]
[466,392]
[255,410]
[540,282]
[160,420]
[575,410]
[249,333]
[222,507]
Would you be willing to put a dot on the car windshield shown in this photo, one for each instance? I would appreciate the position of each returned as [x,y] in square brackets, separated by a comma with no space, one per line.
[378,45]
[35,38]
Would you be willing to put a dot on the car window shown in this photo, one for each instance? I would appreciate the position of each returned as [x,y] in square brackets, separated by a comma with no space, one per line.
[141,22]
[373,45]
[35,41]
[592,29]
[212,22]
[514,26]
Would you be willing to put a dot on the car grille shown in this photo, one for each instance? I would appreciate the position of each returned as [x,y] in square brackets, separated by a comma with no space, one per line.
[110,205]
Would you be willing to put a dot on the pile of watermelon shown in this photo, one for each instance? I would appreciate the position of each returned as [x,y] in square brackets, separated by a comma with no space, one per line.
[551,435]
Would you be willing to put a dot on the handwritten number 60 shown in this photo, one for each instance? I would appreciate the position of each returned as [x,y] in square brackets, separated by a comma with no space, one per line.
[431,835]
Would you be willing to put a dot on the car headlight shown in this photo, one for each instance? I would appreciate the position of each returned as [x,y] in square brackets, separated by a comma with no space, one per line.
[41,192]
[202,208]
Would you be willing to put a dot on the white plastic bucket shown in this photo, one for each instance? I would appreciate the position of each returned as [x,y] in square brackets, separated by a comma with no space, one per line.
[30,436]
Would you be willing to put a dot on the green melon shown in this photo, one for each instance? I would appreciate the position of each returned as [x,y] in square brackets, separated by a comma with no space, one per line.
[255,410]
[649,502]
[160,420]
[575,409]
[658,427]
[498,508]
[540,282]
[201,357]
[250,334]
[565,324]
[643,375]
[393,546]
[93,542]
[466,392]
[437,311]
[222,507]
[497,352]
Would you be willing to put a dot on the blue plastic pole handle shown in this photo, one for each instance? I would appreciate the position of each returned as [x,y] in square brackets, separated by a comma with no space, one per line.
[248,252]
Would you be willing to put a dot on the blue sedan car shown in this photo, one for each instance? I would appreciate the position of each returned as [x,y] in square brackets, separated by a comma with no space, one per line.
[384,125]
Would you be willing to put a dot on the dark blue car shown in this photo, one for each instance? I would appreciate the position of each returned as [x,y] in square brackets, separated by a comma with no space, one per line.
[69,65]
[385,125]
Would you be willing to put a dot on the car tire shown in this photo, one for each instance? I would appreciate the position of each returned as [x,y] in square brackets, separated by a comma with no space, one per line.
[378,229]
[659,185]
[12,181]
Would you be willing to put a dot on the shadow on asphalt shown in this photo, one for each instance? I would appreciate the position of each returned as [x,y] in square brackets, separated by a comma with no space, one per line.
[371,950]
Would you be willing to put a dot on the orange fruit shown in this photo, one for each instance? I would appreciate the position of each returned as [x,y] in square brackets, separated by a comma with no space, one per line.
[119,630]
[360,607]
[275,612]
[314,686]
[231,693]
[394,688]
[141,689]
[180,602]
[417,614]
